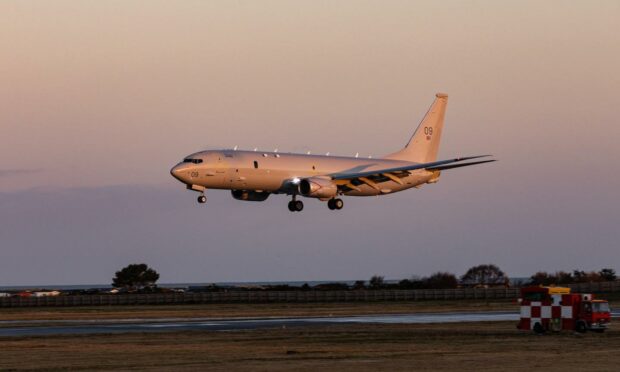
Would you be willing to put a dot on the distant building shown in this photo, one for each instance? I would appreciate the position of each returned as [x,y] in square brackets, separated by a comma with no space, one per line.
[45,294]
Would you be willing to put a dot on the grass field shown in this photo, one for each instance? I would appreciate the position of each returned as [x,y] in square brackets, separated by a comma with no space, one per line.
[466,346]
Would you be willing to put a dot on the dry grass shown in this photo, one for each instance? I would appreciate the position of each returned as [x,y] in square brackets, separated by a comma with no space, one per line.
[467,346]
[249,310]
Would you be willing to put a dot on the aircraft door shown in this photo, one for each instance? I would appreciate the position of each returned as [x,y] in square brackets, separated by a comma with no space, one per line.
[217,175]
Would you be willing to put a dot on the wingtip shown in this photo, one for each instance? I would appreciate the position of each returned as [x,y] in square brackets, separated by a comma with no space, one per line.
[441,95]
[460,165]
[471,157]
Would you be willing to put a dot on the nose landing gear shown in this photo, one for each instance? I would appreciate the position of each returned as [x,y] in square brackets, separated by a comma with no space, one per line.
[335,203]
[202,199]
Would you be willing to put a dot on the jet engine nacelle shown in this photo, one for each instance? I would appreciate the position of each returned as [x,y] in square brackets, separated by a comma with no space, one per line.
[317,187]
[249,195]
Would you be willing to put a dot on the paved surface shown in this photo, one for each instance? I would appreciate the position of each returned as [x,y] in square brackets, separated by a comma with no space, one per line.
[74,327]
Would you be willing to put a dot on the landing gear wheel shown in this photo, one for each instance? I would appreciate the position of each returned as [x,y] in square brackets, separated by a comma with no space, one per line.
[202,199]
[291,206]
[299,205]
[581,327]
[338,203]
[330,204]
[538,328]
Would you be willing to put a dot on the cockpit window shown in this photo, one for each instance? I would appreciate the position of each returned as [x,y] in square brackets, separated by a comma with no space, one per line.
[195,161]
[600,307]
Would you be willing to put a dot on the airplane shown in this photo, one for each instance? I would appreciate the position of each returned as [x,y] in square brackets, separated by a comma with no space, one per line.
[254,175]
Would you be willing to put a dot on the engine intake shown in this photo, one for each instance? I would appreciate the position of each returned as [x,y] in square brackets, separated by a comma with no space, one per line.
[316,187]
[249,195]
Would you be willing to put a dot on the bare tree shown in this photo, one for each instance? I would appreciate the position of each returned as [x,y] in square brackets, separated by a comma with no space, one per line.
[608,275]
[376,282]
[488,274]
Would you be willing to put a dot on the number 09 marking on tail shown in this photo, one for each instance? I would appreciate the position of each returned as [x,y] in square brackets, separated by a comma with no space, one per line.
[429,132]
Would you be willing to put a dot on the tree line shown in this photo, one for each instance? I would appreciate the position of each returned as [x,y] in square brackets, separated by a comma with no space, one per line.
[577,276]
[140,277]
[477,276]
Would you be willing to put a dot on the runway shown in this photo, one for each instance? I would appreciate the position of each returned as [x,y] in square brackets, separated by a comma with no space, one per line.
[80,327]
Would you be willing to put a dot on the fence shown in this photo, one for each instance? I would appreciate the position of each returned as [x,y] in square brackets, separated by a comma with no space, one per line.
[263,297]
[253,297]
[596,287]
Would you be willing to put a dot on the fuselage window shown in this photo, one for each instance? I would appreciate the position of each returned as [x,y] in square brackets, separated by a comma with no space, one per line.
[255,164]
[313,167]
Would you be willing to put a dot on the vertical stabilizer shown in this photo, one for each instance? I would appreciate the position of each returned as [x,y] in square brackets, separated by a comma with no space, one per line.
[424,144]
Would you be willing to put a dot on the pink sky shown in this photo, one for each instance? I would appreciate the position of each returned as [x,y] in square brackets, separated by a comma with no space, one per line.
[113,93]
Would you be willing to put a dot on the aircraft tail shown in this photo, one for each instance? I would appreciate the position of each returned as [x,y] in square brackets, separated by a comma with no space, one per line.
[424,144]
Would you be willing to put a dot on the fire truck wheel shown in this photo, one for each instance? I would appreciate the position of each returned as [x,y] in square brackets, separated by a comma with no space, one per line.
[538,328]
[581,327]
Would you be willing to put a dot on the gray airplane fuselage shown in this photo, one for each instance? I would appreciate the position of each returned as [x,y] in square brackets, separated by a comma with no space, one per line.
[279,172]
[254,175]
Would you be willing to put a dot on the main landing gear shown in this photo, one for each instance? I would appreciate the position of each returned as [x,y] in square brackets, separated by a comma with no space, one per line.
[295,205]
[202,199]
[335,203]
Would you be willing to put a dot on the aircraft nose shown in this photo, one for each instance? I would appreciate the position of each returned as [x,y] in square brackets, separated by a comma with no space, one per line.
[178,172]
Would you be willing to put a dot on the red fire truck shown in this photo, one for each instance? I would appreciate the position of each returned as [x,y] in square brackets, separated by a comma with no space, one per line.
[555,308]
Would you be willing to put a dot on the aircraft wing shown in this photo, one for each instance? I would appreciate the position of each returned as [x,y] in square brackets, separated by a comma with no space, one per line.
[353,179]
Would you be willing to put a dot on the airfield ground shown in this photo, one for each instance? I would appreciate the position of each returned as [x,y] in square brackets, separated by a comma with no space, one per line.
[464,346]
[454,346]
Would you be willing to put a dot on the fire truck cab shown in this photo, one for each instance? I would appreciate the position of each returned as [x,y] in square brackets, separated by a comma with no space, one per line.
[555,309]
